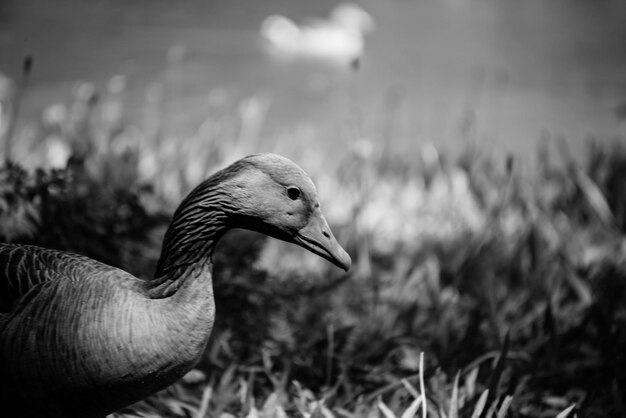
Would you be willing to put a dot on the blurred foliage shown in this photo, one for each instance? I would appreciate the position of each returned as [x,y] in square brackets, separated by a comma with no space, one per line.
[512,282]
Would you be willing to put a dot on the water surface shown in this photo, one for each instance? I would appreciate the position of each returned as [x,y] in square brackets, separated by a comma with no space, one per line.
[503,74]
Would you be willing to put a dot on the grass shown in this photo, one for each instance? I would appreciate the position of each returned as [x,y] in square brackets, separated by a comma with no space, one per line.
[479,289]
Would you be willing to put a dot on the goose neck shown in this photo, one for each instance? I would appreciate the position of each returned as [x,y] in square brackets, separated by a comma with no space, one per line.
[196,227]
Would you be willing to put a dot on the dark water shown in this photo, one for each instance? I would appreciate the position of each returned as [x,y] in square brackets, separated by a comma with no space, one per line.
[502,73]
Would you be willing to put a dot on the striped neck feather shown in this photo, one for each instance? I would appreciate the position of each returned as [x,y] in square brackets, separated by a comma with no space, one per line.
[197,225]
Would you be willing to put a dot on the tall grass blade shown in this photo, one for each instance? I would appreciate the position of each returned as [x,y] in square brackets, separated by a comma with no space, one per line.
[388,413]
[470,382]
[594,197]
[504,408]
[410,388]
[480,405]
[412,409]
[566,413]
[204,402]
[423,387]
[453,411]
[494,379]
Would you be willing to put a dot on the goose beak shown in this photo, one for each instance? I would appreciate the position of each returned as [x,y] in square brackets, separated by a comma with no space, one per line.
[317,237]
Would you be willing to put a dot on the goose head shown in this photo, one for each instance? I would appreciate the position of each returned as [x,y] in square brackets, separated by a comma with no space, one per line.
[272,195]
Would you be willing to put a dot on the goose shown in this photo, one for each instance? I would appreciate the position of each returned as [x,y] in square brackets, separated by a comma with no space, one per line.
[79,338]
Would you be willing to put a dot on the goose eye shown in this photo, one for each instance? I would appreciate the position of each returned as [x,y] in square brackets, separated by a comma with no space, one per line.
[293,192]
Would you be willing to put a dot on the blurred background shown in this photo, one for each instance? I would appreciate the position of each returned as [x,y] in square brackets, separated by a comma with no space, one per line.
[505,74]
[469,155]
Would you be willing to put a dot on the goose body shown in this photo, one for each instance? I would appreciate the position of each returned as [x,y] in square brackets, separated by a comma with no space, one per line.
[79,338]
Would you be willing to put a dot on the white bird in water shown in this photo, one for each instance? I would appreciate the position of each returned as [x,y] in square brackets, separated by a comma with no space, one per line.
[338,38]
